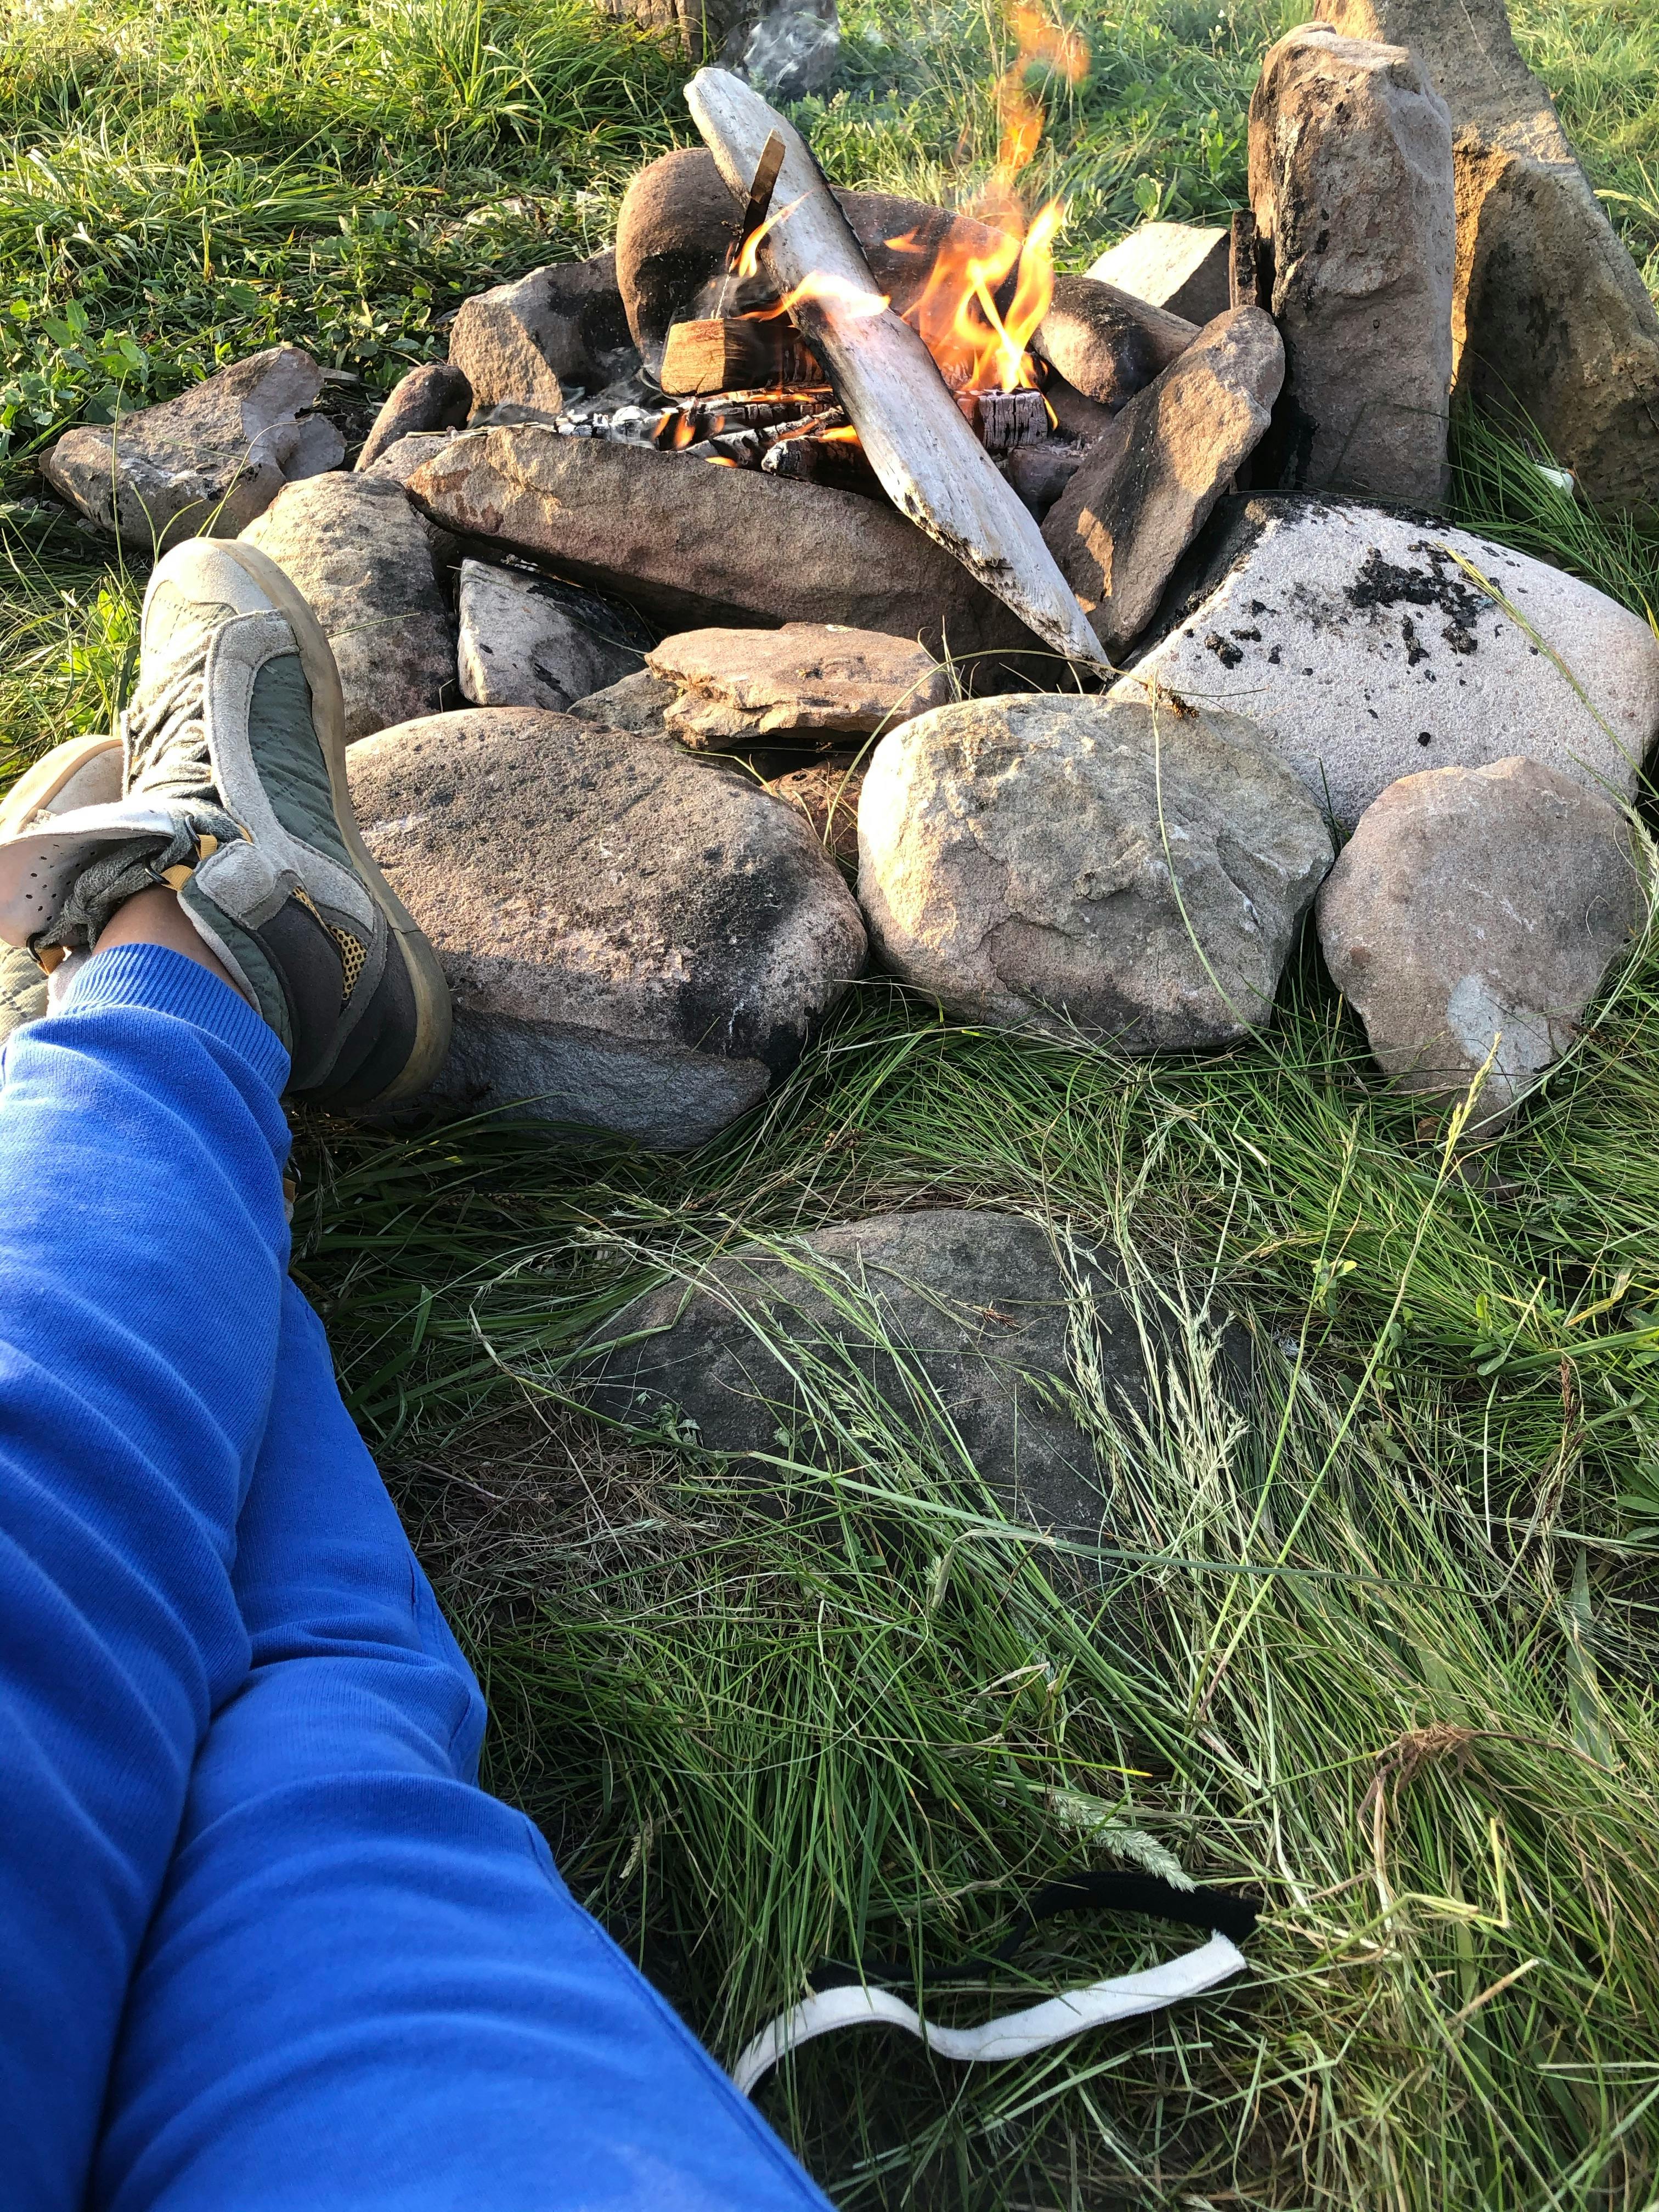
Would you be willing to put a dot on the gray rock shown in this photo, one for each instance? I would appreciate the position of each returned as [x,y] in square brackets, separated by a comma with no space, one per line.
[676,220]
[1552,324]
[204,465]
[399,461]
[435,396]
[1088,866]
[1179,266]
[1104,341]
[557,331]
[1350,180]
[1476,912]
[522,645]
[980,1302]
[638,705]
[696,546]
[635,941]
[1362,651]
[368,562]
[1142,493]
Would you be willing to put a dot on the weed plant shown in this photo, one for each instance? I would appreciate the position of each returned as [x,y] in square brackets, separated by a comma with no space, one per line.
[1379,1650]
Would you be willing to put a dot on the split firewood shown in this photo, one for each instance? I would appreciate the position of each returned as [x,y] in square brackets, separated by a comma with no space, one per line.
[733,352]
[927,457]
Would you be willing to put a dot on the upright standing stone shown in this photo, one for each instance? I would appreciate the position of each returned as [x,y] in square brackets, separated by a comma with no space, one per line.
[558,329]
[1350,180]
[1551,321]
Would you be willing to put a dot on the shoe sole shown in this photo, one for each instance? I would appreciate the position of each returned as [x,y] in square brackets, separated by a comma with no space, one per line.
[426,977]
[39,784]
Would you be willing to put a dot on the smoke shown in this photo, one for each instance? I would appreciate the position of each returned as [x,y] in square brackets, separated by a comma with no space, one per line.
[792,52]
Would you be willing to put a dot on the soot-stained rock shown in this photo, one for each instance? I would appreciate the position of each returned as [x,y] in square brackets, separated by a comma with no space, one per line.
[636,705]
[435,396]
[806,676]
[635,940]
[1363,650]
[1552,322]
[368,563]
[1350,180]
[1088,866]
[1475,911]
[1104,341]
[529,642]
[534,342]
[206,464]
[1142,492]
[696,546]
[980,1302]
[1179,266]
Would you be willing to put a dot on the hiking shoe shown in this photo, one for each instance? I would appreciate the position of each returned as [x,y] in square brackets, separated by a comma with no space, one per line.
[235,797]
[81,772]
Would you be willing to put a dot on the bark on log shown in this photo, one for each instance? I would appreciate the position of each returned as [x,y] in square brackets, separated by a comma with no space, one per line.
[920,445]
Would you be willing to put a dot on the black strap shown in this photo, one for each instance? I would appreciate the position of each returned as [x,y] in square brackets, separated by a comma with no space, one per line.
[1227,1911]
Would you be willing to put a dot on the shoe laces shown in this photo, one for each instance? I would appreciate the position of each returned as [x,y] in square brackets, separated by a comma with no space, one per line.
[164,739]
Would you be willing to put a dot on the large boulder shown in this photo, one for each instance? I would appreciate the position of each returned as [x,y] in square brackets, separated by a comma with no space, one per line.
[530,642]
[556,331]
[1350,180]
[1089,866]
[1364,649]
[1180,266]
[1552,324]
[747,684]
[635,940]
[1473,915]
[1141,493]
[206,464]
[979,1304]
[435,396]
[698,546]
[368,564]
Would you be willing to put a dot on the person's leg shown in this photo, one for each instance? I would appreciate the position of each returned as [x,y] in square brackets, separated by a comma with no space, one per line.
[143,1245]
[366,1987]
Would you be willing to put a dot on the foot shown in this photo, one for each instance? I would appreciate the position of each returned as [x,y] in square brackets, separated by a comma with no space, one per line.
[81,772]
[236,798]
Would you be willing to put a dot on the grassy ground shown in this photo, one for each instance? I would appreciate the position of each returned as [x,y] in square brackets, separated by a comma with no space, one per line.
[1386,1656]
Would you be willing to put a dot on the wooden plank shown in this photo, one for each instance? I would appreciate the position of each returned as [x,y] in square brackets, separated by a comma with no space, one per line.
[928,460]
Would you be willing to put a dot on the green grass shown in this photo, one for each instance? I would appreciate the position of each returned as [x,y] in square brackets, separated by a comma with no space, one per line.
[1386,1655]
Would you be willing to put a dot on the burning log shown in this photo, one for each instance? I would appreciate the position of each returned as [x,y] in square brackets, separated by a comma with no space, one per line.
[920,445]
[825,452]
[731,353]
[1005,419]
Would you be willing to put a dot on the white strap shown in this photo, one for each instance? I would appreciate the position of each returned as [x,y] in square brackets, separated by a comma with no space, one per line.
[1016,2033]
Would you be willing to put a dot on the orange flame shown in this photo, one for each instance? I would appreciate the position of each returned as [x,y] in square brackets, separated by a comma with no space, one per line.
[978,345]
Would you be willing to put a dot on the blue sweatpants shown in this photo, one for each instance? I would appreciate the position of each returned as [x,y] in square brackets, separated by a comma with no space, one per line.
[264,1942]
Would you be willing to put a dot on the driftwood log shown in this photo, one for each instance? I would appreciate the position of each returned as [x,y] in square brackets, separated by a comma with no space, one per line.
[920,446]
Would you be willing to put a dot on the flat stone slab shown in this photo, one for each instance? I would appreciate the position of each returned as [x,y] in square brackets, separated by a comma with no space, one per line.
[1474,914]
[636,941]
[1084,867]
[1363,651]
[806,676]
[1142,492]
[206,464]
[368,563]
[695,544]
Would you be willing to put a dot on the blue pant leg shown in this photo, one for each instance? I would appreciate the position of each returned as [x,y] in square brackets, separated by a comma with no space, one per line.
[142,1249]
[367,1989]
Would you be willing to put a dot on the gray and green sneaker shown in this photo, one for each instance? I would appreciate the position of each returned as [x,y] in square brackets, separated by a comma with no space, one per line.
[81,772]
[235,797]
